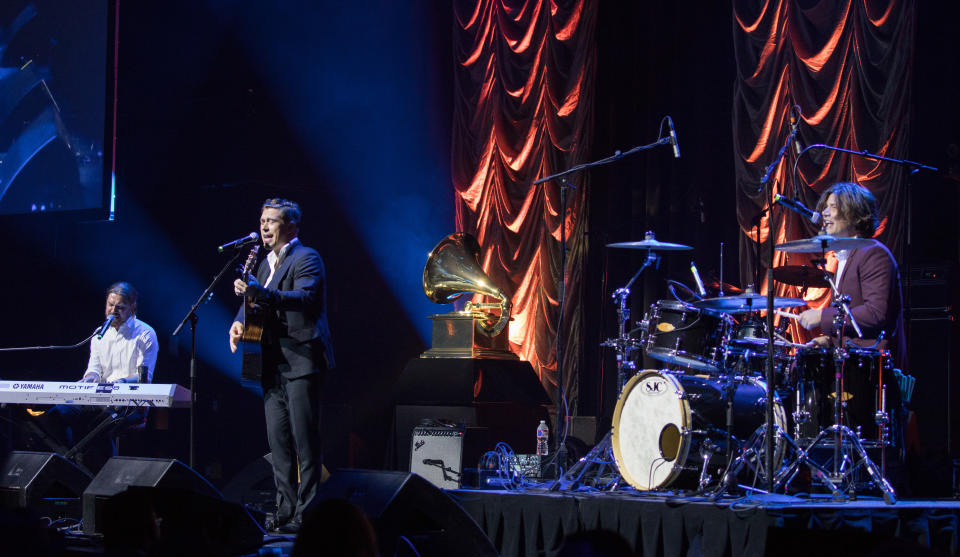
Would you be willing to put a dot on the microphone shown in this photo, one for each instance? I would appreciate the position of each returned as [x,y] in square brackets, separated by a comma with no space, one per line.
[793,130]
[106,325]
[673,139]
[240,242]
[696,277]
[797,207]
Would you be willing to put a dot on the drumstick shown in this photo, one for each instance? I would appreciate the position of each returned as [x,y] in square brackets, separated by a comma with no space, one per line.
[786,314]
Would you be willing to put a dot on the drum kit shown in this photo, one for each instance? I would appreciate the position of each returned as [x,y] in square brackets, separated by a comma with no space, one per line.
[699,424]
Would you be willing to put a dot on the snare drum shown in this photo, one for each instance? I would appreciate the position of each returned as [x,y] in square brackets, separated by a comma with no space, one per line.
[681,334]
[663,422]
[868,387]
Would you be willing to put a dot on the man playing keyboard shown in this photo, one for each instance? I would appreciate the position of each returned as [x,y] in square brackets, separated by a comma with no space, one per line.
[126,351]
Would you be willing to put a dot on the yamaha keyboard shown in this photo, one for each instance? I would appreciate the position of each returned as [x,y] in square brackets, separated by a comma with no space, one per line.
[94,394]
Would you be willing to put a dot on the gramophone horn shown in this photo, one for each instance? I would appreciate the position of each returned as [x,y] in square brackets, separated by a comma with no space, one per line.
[453,269]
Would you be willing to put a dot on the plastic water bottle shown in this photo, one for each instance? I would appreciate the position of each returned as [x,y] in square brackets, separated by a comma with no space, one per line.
[543,438]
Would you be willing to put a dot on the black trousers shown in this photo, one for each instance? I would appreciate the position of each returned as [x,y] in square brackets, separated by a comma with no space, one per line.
[292,412]
[67,424]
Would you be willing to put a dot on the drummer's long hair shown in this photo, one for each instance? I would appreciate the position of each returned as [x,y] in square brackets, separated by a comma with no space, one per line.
[855,204]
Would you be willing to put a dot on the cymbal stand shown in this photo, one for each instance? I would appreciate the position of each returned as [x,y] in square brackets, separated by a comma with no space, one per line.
[623,344]
[599,462]
[753,456]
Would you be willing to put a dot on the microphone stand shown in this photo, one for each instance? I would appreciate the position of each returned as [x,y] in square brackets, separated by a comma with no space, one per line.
[767,188]
[44,348]
[617,155]
[192,318]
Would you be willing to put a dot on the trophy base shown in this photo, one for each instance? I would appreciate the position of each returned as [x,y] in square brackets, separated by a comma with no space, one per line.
[457,335]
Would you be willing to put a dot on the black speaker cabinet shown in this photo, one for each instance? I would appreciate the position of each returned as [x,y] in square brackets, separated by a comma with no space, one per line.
[184,522]
[121,472]
[45,482]
[440,454]
[400,504]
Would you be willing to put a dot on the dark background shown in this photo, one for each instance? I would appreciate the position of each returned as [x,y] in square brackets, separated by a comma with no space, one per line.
[346,109]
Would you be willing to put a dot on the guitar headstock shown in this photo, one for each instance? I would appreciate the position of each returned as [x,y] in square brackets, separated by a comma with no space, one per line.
[250,262]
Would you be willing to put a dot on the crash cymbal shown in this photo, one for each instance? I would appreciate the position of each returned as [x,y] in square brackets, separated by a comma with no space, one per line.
[724,287]
[823,242]
[748,301]
[650,243]
[803,276]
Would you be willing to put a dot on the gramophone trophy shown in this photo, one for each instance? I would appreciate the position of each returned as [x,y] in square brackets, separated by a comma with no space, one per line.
[479,330]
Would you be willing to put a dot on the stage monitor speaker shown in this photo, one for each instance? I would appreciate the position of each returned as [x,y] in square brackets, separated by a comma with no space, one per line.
[405,507]
[254,487]
[45,482]
[176,521]
[121,472]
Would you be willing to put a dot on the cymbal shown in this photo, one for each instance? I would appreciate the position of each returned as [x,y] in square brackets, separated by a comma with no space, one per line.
[748,301]
[725,287]
[649,242]
[823,242]
[803,276]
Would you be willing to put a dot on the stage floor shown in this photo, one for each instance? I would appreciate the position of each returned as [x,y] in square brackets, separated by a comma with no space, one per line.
[533,522]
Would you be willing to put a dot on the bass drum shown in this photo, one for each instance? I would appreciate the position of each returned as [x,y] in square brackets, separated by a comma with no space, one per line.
[662,421]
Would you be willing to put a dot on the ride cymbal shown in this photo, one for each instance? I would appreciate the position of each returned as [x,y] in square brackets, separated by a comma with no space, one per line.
[748,301]
[822,243]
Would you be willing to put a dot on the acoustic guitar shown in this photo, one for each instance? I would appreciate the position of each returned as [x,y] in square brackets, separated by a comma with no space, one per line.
[253,318]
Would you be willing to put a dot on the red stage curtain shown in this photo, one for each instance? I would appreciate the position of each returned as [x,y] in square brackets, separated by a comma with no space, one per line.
[523,108]
[848,65]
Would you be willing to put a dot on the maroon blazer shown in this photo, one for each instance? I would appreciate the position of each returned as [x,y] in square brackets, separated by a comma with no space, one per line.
[872,280]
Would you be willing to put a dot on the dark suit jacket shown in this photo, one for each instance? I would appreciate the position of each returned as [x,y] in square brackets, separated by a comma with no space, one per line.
[296,301]
[872,280]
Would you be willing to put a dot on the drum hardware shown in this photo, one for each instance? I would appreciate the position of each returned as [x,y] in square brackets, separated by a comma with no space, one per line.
[801,414]
[623,344]
[849,454]
[599,462]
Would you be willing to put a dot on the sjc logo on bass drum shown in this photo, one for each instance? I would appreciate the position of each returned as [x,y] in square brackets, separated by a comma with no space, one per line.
[654,386]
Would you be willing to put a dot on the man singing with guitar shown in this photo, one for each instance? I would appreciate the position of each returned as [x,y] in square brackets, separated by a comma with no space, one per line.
[286,300]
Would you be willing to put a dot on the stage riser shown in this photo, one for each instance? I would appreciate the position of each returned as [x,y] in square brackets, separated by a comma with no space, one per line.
[535,524]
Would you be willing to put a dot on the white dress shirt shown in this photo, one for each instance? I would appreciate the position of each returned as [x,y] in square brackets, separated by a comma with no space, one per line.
[273,260]
[116,357]
[842,257]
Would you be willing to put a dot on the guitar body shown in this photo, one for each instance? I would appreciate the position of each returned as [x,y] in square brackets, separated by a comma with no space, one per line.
[253,319]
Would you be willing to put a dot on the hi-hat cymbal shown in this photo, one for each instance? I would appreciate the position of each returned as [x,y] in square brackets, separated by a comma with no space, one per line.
[803,276]
[748,301]
[823,242]
[650,243]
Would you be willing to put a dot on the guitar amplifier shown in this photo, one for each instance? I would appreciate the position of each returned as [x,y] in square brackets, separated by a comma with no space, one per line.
[439,454]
